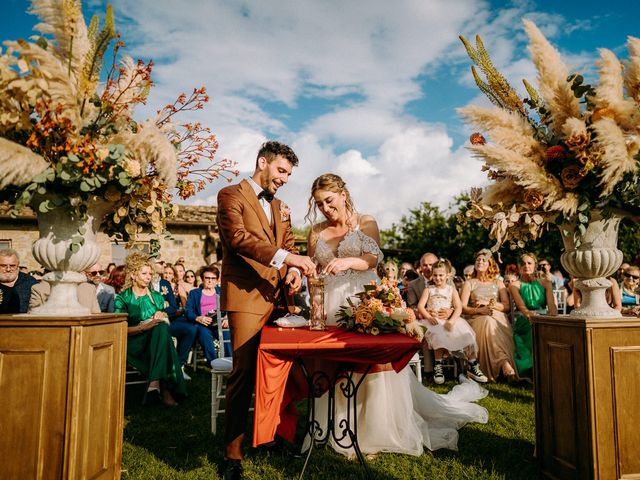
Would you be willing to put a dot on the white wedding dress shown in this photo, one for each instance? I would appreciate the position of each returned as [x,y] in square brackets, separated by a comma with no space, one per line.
[395,412]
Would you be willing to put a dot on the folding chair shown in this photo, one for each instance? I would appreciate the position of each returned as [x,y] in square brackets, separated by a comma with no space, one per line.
[560,296]
[416,364]
[220,370]
[135,377]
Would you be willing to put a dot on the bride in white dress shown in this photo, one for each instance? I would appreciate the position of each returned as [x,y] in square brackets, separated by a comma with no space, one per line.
[395,412]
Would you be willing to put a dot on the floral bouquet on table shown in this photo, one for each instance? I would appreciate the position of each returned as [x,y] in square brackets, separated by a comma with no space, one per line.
[380,309]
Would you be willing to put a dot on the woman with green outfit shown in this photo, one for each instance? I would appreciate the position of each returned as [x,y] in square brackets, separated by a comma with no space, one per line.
[150,347]
[531,296]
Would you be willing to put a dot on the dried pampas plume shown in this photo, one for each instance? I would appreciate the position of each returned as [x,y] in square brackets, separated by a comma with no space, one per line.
[610,90]
[151,147]
[632,71]
[505,128]
[63,19]
[552,78]
[616,160]
[18,164]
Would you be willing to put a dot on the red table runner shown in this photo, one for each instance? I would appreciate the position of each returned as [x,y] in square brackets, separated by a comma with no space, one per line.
[280,346]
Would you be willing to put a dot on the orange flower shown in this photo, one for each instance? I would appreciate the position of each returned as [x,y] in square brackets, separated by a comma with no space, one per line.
[533,198]
[578,141]
[571,176]
[477,139]
[601,113]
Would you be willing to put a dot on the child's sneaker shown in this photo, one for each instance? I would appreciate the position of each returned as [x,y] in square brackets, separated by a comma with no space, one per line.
[476,374]
[438,374]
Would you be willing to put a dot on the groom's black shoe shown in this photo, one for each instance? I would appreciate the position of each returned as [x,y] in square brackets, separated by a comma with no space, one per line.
[232,469]
[280,446]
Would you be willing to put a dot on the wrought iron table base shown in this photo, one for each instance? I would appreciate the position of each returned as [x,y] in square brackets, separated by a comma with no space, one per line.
[345,434]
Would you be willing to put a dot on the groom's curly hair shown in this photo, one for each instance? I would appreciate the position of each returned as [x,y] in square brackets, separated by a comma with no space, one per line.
[271,149]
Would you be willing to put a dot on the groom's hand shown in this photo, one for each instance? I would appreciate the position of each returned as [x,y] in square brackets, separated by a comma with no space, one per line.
[293,281]
[301,262]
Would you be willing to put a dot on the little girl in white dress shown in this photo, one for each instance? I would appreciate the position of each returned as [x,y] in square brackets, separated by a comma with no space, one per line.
[441,307]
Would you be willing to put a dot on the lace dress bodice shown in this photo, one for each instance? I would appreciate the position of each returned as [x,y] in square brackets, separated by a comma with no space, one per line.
[354,244]
[346,283]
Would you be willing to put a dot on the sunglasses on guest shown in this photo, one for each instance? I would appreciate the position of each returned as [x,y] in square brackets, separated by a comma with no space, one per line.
[629,275]
[209,278]
[96,272]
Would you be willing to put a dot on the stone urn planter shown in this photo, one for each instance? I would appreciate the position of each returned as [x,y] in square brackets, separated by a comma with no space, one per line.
[53,251]
[596,258]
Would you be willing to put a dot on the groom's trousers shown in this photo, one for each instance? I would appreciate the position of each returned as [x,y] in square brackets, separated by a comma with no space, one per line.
[245,340]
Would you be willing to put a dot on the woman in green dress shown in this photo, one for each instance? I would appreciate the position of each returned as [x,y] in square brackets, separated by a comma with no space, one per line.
[531,296]
[150,347]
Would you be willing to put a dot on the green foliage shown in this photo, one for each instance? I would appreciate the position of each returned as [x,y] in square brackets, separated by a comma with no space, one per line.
[428,229]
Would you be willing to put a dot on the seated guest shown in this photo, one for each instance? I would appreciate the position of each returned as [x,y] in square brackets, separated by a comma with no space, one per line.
[629,296]
[9,300]
[170,274]
[530,295]
[201,309]
[86,295]
[10,276]
[116,278]
[183,287]
[180,328]
[110,268]
[485,302]
[408,277]
[612,294]
[105,293]
[149,345]
[190,279]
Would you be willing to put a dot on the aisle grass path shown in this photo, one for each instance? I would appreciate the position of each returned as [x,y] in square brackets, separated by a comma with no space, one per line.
[176,444]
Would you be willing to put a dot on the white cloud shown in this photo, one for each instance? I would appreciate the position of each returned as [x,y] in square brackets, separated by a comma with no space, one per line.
[333,80]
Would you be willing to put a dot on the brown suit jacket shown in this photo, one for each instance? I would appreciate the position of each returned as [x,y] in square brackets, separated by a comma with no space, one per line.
[414,291]
[249,243]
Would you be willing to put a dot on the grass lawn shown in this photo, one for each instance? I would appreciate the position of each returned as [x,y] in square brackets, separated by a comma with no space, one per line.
[172,444]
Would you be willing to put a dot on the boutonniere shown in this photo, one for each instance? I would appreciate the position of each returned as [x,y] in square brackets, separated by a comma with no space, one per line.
[164,290]
[285,212]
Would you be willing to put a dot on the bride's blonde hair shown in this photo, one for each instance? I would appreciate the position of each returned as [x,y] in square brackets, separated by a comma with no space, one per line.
[331,183]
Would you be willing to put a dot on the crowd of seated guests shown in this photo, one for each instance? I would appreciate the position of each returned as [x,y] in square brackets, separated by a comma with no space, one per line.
[498,307]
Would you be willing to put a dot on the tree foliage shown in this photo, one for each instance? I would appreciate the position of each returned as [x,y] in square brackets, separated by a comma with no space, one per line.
[429,229]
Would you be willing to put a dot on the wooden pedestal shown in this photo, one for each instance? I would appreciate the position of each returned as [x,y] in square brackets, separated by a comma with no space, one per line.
[587,397]
[62,396]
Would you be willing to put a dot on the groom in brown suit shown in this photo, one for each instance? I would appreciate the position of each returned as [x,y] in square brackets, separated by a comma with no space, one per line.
[260,267]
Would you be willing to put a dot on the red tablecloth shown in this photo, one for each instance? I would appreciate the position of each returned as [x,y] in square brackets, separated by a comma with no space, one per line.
[280,346]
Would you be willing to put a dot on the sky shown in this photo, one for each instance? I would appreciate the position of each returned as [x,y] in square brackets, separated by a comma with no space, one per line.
[367,89]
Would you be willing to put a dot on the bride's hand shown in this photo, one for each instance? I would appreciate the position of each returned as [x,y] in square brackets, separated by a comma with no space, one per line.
[337,265]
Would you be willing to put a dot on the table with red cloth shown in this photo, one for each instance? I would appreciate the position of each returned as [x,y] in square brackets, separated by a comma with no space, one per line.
[279,347]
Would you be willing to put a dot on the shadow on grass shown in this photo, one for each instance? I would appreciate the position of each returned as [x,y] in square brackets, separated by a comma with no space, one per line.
[179,444]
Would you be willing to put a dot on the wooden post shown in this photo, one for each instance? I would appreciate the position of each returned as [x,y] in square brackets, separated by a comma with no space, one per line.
[587,396]
[62,401]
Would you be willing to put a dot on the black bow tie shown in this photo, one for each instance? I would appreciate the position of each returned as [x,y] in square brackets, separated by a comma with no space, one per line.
[266,195]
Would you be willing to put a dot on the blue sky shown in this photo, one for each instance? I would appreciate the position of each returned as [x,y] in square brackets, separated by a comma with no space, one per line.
[367,89]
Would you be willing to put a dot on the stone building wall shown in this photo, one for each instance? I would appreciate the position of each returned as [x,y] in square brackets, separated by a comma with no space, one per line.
[194,235]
